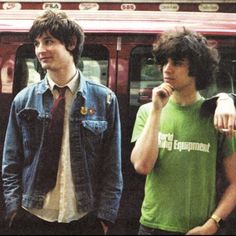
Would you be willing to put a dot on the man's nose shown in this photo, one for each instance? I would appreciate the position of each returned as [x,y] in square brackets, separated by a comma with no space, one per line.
[168,67]
[39,48]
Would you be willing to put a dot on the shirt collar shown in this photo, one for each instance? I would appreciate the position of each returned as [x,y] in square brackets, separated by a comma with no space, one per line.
[73,84]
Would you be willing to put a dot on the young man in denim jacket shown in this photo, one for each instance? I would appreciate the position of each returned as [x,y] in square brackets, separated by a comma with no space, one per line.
[84,196]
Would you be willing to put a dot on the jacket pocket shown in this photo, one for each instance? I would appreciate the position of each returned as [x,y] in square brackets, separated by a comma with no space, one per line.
[92,135]
[96,127]
[31,127]
[92,142]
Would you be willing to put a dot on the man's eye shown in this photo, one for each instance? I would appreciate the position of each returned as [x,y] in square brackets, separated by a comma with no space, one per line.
[48,42]
[178,63]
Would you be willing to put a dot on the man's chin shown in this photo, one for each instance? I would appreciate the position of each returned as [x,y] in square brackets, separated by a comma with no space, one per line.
[45,67]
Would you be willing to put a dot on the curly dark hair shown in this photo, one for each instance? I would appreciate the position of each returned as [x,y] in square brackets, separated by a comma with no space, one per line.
[62,28]
[185,44]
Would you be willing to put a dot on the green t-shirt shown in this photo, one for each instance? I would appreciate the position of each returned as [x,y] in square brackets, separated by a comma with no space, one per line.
[181,189]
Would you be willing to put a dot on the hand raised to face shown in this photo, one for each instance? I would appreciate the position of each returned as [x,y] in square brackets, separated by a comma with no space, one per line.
[161,94]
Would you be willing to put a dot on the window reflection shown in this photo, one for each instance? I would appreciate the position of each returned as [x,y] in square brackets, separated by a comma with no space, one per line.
[144,75]
[95,70]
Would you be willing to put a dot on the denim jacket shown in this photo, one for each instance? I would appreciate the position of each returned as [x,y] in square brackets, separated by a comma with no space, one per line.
[95,141]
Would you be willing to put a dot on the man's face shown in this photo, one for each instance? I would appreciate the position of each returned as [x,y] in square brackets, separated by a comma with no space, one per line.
[176,73]
[51,53]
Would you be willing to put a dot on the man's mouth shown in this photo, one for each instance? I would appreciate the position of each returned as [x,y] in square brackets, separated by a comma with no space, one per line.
[168,79]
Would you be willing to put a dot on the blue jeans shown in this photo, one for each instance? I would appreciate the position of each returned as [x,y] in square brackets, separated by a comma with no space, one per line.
[28,224]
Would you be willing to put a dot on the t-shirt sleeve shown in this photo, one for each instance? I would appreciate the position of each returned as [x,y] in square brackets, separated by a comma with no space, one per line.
[140,121]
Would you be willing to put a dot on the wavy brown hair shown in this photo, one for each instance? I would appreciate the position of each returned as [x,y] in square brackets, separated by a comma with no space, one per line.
[185,44]
[60,27]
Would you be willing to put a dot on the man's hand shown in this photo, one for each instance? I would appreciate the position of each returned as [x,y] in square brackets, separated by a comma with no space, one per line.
[160,95]
[209,228]
[225,115]
[10,219]
[105,228]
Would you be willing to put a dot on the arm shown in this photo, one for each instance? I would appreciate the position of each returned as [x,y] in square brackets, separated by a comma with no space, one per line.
[225,114]
[145,151]
[11,166]
[112,180]
[227,202]
[223,107]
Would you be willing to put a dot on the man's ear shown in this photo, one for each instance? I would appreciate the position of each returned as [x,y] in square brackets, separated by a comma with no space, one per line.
[72,43]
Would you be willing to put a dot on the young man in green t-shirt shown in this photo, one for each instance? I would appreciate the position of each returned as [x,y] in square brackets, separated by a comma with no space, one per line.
[177,145]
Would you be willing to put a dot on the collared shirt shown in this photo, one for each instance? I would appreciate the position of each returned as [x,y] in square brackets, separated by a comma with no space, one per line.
[60,203]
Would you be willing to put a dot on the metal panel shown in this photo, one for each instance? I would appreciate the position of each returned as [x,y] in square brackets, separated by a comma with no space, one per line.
[129,22]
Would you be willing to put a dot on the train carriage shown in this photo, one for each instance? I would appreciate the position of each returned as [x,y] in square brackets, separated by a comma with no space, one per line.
[117,53]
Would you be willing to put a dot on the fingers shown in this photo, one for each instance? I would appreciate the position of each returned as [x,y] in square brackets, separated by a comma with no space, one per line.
[225,117]
[167,89]
[164,90]
[11,219]
[225,123]
[161,94]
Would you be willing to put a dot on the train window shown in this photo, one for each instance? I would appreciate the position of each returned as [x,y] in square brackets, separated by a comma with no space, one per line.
[6,75]
[27,68]
[226,77]
[144,75]
[93,64]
